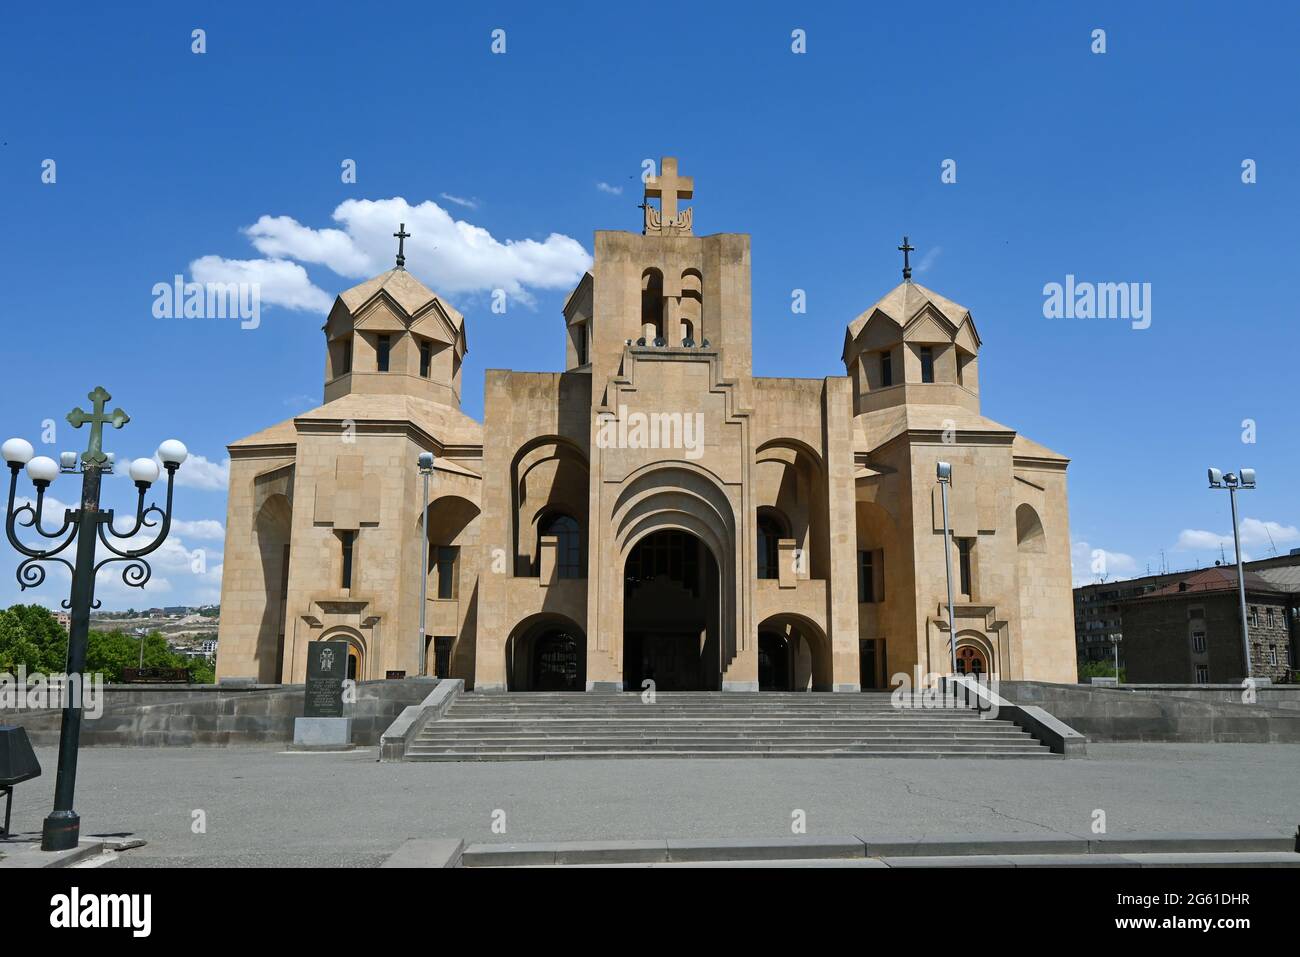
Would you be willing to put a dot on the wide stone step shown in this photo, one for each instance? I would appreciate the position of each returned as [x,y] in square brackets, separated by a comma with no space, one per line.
[736,739]
[559,725]
[633,730]
[660,710]
[708,744]
[482,755]
[756,726]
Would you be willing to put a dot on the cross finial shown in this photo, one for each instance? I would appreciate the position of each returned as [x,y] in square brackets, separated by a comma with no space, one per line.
[668,188]
[94,454]
[907,265]
[401,236]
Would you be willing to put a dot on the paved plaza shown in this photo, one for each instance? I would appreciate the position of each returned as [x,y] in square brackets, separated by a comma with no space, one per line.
[268,808]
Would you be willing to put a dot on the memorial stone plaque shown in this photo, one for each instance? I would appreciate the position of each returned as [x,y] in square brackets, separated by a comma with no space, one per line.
[327,666]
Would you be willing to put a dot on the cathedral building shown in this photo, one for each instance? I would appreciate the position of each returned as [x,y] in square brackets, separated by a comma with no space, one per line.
[654,511]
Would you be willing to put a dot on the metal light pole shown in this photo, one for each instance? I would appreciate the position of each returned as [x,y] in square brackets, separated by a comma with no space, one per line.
[425,463]
[90,527]
[1232,482]
[944,474]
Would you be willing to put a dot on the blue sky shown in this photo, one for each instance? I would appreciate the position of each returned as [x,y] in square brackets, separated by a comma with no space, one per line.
[1117,167]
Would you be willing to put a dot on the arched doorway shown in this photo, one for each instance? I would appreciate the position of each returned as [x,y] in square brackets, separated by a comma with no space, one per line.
[356,653]
[971,661]
[555,662]
[774,663]
[670,614]
[547,653]
[793,655]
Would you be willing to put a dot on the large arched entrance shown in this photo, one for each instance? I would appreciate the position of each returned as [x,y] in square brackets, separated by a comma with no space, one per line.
[671,614]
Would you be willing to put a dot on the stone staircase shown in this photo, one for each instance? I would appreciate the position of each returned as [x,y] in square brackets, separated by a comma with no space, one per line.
[545,726]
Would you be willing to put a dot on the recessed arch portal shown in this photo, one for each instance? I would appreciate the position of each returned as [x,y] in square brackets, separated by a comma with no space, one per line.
[684,497]
[546,652]
[671,592]
[808,663]
[356,669]
[975,654]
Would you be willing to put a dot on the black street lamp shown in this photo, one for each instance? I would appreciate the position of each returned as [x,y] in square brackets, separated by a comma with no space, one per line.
[89,527]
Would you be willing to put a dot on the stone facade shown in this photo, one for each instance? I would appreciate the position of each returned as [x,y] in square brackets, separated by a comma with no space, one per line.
[654,511]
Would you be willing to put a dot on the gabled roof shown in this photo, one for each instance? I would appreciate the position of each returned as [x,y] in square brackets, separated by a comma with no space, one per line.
[903,303]
[1219,578]
[282,433]
[448,425]
[404,289]
[1285,578]
[876,428]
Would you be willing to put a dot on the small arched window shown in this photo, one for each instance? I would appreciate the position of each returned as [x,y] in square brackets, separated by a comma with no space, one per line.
[652,306]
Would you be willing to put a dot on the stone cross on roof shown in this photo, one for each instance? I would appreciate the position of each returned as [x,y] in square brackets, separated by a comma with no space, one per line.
[401,236]
[668,188]
[907,265]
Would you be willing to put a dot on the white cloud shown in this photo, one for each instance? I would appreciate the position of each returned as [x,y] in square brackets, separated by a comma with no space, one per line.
[282,237]
[1255,535]
[1089,564]
[928,260]
[451,255]
[198,472]
[279,282]
[204,528]
[607,188]
[459,200]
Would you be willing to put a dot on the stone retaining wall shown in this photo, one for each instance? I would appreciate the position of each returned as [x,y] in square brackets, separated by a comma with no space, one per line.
[218,715]
[1174,713]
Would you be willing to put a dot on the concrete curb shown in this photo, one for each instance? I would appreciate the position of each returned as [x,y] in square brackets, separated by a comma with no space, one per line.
[22,856]
[426,853]
[1004,850]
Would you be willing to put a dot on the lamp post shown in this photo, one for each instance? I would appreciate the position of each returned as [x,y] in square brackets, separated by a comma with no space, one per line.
[943,472]
[89,526]
[425,465]
[1245,479]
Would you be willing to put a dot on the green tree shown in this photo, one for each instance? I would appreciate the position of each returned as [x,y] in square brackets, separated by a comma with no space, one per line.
[30,635]
[1098,669]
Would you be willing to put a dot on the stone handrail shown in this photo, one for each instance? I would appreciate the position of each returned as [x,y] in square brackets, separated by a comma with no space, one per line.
[399,735]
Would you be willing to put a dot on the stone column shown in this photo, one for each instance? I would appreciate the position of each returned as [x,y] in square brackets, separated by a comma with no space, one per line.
[842,588]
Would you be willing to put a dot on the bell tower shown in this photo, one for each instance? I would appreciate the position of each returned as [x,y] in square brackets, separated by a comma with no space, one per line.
[666,289]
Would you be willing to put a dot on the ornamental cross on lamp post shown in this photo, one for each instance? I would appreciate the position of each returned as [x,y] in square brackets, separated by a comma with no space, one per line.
[94,454]
[907,265]
[401,236]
